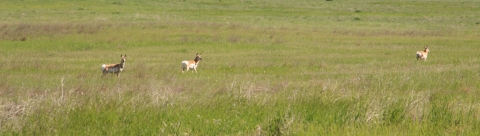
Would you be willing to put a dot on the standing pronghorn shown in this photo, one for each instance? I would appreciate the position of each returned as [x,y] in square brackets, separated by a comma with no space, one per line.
[191,64]
[114,68]
[423,54]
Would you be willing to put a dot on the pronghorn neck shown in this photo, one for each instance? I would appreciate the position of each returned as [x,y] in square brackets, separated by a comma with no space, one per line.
[122,63]
[196,62]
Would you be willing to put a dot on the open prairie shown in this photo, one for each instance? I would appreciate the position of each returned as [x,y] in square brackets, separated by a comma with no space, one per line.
[269,67]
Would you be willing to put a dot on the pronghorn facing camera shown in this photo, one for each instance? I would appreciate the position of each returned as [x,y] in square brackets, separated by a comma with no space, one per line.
[114,68]
[191,64]
[423,54]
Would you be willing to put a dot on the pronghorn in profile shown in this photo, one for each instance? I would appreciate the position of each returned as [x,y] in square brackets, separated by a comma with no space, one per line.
[191,64]
[423,54]
[114,68]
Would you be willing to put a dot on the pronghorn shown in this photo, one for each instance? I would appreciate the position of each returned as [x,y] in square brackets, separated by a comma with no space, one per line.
[191,64]
[114,68]
[423,54]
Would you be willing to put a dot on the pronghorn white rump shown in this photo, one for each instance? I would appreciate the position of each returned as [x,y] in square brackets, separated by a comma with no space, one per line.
[191,64]
[114,68]
[423,54]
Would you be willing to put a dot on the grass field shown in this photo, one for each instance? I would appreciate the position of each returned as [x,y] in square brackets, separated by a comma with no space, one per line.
[270,67]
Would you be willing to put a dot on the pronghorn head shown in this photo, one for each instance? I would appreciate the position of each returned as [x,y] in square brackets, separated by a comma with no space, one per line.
[198,57]
[426,49]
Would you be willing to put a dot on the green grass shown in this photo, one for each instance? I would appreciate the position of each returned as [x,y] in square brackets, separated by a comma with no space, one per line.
[269,67]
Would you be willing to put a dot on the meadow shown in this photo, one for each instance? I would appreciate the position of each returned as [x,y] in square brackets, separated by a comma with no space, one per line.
[270,67]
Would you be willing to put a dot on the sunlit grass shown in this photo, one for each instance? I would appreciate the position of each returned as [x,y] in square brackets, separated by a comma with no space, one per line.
[268,68]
